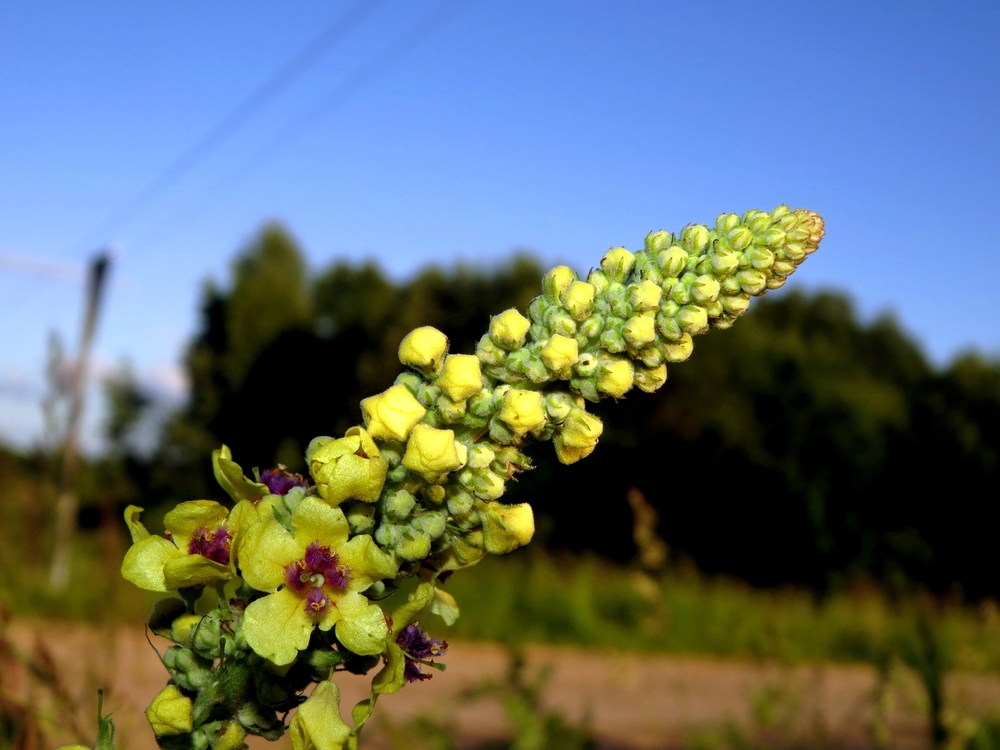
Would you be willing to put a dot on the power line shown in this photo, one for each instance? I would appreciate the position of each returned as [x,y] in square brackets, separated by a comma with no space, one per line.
[388,56]
[217,135]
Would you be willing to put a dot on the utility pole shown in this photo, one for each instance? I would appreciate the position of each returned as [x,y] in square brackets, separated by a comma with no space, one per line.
[68,503]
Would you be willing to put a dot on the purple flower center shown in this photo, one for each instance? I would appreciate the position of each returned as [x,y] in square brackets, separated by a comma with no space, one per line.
[417,645]
[316,574]
[279,481]
[212,545]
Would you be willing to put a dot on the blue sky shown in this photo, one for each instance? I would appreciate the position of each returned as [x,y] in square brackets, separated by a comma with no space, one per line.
[437,132]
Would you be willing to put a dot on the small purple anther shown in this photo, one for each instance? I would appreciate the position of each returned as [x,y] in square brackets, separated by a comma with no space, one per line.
[279,481]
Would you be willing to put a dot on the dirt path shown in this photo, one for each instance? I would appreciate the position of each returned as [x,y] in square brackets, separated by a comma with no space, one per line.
[633,700]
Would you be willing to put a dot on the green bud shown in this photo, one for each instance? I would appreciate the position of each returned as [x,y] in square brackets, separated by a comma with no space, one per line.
[726,222]
[598,279]
[489,353]
[672,261]
[617,263]
[714,309]
[667,325]
[780,212]
[433,493]
[481,404]
[705,289]
[695,238]
[500,432]
[757,221]
[388,534]
[783,268]
[555,282]
[578,299]
[517,361]
[656,241]
[735,304]
[586,387]
[613,340]
[724,261]
[558,405]
[645,295]
[649,379]
[396,474]
[731,285]
[432,523]
[561,323]
[776,282]
[586,365]
[480,456]
[360,517]
[459,501]
[752,281]
[794,251]
[590,328]
[260,720]
[760,258]
[207,637]
[773,237]
[693,319]
[414,545]
[189,671]
[740,238]
[450,411]
[399,504]
[680,293]
[537,309]
[651,356]
[678,351]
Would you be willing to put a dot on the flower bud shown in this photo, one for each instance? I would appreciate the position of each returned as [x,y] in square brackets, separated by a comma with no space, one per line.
[725,223]
[349,468]
[578,436]
[780,212]
[451,412]
[586,365]
[509,329]
[399,504]
[480,456]
[639,331]
[760,258]
[598,279]
[752,281]
[678,351]
[555,282]
[693,319]
[560,353]
[617,263]
[431,452]
[783,268]
[613,340]
[649,379]
[360,517]
[740,238]
[705,289]
[225,735]
[757,221]
[389,534]
[459,501]
[795,252]
[735,304]
[561,322]
[489,353]
[645,295]
[415,545]
[672,260]
[695,238]
[773,237]
[182,628]
[586,387]
[656,241]
[434,493]
[460,377]
[667,325]
[615,376]
[506,527]
[392,414]
[578,299]
[776,282]
[591,328]
[170,712]
[651,356]
[431,523]
[558,405]
[423,348]
[522,410]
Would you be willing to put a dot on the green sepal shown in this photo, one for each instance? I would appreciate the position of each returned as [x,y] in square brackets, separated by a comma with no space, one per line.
[105,726]
[407,613]
[230,477]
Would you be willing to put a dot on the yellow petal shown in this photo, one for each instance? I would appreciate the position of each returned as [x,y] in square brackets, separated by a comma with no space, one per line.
[265,551]
[423,348]
[317,724]
[506,527]
[431,452]
[522,410]
[460,377]
[560,352]
[187,518]
[194,570]
[366,561]
[391,414]
[277,626]
[362,626]
[136,529]
[315,521]
[143,563]
[509,329]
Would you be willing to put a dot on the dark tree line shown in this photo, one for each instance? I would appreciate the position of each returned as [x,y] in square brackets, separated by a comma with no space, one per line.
[801,446]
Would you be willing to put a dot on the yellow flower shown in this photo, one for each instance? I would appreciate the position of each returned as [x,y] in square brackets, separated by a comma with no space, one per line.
[316,576]
[170,712]
[317,724]
[509,329]
[197,551]
[348,468]
[423,348]
[431,452]
[391,414]
[460,377]
[506,527]
[560,352]
[522,411]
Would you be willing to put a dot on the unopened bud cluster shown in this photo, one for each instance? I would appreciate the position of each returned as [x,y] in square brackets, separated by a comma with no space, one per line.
[414,492]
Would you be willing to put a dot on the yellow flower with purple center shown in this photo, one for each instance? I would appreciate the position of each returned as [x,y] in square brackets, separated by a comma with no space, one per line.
[315,576]
[196,550]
